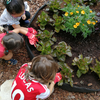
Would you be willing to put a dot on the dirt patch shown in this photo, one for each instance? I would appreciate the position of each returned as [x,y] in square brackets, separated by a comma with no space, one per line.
[89,47]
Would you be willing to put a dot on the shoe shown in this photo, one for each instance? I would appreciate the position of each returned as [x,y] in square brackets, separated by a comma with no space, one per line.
[11,61]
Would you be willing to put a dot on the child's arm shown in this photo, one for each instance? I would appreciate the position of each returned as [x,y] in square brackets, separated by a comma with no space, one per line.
[29,32]
[51,87]
[8,56]
[16,26]
[21,30]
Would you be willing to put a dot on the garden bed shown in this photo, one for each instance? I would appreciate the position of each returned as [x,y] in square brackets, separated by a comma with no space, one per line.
[79,45]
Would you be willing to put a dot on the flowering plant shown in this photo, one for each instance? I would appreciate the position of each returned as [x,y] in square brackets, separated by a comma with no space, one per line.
[79,19]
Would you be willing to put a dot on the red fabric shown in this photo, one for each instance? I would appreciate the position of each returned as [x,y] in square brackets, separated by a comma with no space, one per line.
[31,30]
[2,48]
[32,38]
[58,77]
[23,90]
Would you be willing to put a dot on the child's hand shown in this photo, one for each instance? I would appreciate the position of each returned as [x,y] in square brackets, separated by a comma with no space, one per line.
[24,17]
[32,30]
[33,40]
[58,77]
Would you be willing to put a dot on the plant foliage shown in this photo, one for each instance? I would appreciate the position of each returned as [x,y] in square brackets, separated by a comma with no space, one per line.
[66,73]
[79,19]
[61,50]
[54,5]
[82,64]
[58,23]
[96,68]
[43,19]
[46,41]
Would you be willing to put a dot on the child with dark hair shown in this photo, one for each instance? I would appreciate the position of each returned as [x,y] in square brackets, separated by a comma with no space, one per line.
[10,41]
[15,14]
[36,80]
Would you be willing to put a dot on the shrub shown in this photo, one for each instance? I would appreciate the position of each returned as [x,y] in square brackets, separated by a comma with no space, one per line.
[79,19]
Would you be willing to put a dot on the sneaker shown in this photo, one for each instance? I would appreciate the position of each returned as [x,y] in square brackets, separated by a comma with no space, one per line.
[11,61]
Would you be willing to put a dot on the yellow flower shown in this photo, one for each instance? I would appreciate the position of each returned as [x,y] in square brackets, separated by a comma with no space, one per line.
[96,21]
[75,26]
[78,5]
[77,11]
[90,11]
[93,23]
[83,24]
[89,22]
[66,14]
[71,13]
[82,12]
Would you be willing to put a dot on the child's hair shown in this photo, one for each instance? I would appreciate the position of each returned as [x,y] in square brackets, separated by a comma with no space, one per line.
[12,41]
[14,6]
[43,69]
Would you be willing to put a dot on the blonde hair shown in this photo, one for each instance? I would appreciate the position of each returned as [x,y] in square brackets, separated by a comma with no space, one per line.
[43,69]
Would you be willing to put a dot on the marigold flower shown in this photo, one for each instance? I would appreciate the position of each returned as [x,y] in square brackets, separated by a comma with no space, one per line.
[82,12]
[77,11]
[75,26]
[66,14]
[71,13]
[96,21]
[93,23]
[90,11]
[89,22]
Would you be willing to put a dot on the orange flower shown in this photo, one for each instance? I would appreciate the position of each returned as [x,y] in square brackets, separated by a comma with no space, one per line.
[93,23]
[90,11]
[83,24]
[75,26]
[82,12]
[89,22]
[77,11]
[71,13]
[66,14]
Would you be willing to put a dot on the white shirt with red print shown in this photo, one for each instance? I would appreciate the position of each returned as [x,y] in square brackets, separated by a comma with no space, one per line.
[23,90]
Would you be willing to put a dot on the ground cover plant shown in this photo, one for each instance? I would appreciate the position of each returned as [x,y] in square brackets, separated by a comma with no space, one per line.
[64,46]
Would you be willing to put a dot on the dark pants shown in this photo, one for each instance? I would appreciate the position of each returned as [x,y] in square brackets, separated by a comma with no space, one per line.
[21,21]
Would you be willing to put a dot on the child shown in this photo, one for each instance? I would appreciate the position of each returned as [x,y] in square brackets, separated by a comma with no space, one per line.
[36,80]
[11,41]
[14,14]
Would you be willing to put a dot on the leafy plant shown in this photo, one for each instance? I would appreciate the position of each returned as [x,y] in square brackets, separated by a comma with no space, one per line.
[46,41]
[73,1]
[66,73]
[43,19]
[82,64]
[58,22]
[91,2]
[54,5]
[79,19]
[96,68]
[61,50]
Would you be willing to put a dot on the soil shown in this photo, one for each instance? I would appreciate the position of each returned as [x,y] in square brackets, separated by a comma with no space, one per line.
[88,47]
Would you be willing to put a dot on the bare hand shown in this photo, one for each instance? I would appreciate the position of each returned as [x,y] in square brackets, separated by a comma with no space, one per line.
[24,17]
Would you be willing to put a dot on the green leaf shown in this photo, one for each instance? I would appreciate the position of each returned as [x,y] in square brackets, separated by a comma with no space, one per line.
[78,73]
